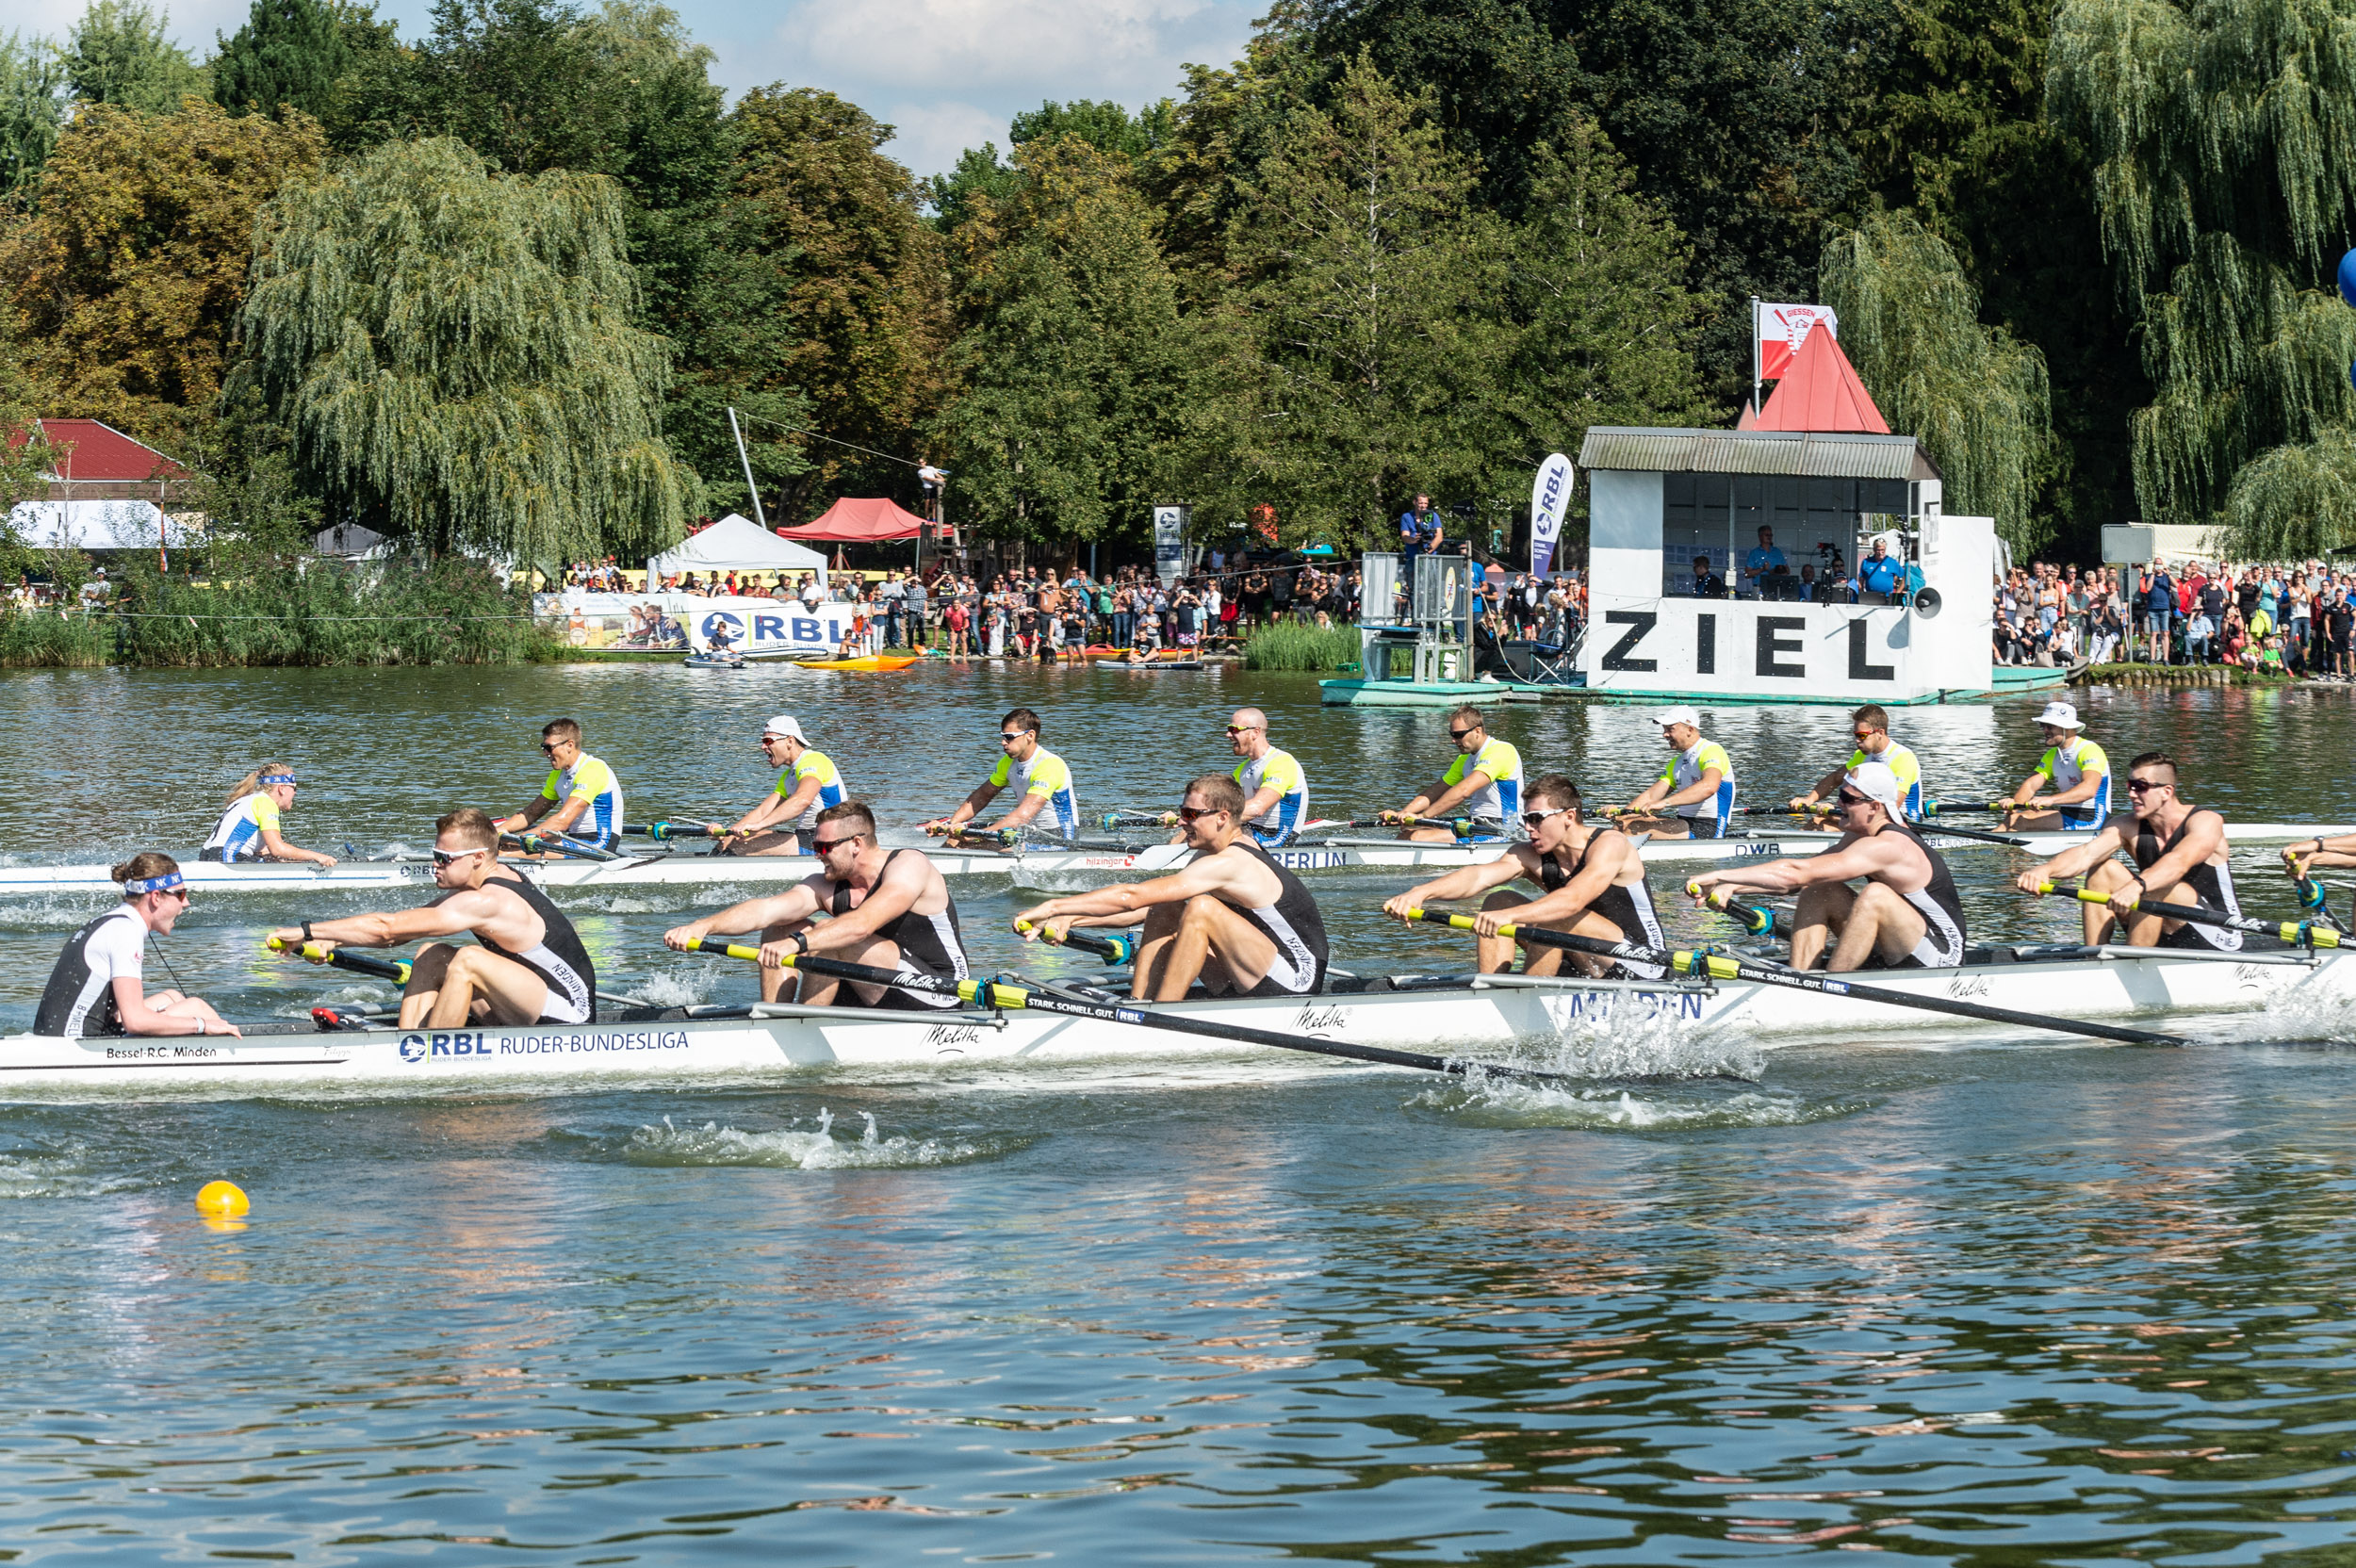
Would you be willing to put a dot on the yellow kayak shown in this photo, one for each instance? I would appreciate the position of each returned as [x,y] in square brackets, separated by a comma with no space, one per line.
[873,662]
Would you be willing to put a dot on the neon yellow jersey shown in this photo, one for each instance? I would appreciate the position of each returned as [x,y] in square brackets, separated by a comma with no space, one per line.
[1502,800]
[589,779]
[1902,761]
[1044,775]
[831,790]
[2067,765]
[1279,771]
[1685,770]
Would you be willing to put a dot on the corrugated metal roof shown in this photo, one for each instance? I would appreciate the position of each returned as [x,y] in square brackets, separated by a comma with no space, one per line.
[1728,452]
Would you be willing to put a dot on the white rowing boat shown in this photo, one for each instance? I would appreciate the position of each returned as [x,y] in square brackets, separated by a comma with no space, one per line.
[1029,866]
[1527,1022]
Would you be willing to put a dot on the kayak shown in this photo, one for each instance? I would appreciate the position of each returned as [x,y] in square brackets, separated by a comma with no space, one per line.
[713,662]
[871,662]
[1150,665]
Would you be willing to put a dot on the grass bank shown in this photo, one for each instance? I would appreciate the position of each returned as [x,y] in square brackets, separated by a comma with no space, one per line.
[1290,645]
[2177,674]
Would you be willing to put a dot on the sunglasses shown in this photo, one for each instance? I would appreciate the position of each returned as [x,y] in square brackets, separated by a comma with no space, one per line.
[1010,735]
[1196,813]
[1458,734]
[447,857]
[1850,798]
[1248,729]
[2138,786]
[180,893]
[550,746]
[1531,818]
[820,847]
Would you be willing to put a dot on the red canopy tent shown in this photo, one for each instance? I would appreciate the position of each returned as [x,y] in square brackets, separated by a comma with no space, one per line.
[860,521]
[1821,393]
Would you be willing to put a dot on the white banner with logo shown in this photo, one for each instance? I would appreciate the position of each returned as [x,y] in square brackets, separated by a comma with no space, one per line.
[1549,498]
[1170,542]
[1782,331]
[683,622]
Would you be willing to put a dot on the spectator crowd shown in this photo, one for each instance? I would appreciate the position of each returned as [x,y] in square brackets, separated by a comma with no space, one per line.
[2286,620]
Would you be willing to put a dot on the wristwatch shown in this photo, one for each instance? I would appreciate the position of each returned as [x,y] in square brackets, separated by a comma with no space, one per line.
[801,941]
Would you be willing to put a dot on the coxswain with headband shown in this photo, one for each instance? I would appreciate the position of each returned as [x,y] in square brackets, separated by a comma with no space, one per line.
[248,829]
[99,986]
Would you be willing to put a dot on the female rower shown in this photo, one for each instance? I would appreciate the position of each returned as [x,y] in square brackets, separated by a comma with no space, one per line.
[99,986]
[248,829]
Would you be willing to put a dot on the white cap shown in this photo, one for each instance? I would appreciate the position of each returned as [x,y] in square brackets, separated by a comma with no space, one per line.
[783,725]
[1679,714]
[2061,715]
[1874,781]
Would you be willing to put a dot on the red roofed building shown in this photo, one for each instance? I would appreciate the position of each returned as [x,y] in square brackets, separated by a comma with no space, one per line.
[1821,393]
[95,462]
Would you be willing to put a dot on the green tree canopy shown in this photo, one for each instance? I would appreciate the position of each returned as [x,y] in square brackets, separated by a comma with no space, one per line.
[290,55]
[456,352]
[32,108]
[1107,127]
[119,54]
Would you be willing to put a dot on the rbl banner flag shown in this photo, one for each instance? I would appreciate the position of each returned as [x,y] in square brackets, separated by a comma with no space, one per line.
[1782,331]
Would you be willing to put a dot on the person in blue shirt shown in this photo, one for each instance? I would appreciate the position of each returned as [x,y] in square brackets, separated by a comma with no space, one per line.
[1762,564]
[2159,608]
[1879,575]
[1419,532]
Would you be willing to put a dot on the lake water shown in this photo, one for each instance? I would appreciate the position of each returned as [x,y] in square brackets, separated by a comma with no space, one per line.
[2021,1302]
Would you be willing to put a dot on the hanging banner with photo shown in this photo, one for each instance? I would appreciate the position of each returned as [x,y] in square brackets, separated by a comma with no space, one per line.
[1782,331]
[1170,542]
[1549,498]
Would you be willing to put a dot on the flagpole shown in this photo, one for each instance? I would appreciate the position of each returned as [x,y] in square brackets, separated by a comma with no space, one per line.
[1754,365]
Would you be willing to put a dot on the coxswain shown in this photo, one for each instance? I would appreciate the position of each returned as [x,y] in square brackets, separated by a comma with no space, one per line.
[99,985]
[1907,915]
[581,799]
[808,783]
[1591,882]
[2181,857]
[1275,789]
[1231,918]
[529,968]
[248,829]
[2071,790]
[1483,784]
[1694,794]
[888,909]
[1870,727]
[1047,787]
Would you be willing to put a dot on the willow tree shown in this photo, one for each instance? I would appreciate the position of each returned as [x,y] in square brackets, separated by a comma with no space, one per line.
[1975,397]
[455,352]
[2225,140]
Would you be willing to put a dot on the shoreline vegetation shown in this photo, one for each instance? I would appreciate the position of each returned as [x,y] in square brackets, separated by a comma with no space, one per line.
[1290,645]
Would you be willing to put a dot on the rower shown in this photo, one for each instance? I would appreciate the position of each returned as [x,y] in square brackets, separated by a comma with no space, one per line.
[1591,882]
[99,985]
[581,792]
[2180,853]
[1047,785]
[1693,797]
[2075,771]
[888,909]
[1484,783]
[531,967]
[1275,789]
[1231,918]
[1907,915]
[808,784]
[248,829]
[1870,727]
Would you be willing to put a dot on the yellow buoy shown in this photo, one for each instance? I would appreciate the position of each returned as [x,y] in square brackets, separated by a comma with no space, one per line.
[223,1200]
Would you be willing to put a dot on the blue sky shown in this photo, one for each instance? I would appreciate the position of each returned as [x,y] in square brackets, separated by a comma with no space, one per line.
[948,73]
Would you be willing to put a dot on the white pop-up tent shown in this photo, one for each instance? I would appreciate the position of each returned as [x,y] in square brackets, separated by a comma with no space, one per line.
[735,544]
[101,525]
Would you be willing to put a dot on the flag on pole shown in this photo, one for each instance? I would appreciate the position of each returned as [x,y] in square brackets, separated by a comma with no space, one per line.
[1549,498]
[1782,331]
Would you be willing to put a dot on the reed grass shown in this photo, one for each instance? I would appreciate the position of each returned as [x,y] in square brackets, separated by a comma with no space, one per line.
[44,640]
[1290,645]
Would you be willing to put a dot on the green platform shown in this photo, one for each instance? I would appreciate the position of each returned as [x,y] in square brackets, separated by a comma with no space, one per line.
[1411,694]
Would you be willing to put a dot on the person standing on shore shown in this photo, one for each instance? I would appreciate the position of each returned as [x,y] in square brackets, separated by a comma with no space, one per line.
[1419,533]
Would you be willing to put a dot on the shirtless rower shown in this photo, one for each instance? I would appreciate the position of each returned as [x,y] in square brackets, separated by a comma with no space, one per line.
[2181,857]
[99,986]
[1591,882]
[582,798]
[886,908]
[1870,727]
[1907,915]
[529,968]
[1232,917]
[808,783]
[248,829]
[1693,797]
[1047,785]
[1484,783]
[2071,790]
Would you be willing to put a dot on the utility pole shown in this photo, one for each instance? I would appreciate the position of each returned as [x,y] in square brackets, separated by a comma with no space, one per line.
[736,430]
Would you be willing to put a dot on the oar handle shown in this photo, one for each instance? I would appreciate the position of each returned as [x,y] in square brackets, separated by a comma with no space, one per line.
[395,970]
[2297,933]
[662,832]
[540,843]
[1758,921]
[1709,964]
[724,950]
[1111,820]
[1119,948]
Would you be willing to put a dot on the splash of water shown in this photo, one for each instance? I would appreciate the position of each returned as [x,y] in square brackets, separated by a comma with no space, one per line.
[1496,1103]
[1626,1043]
[677,987]
[793,1149]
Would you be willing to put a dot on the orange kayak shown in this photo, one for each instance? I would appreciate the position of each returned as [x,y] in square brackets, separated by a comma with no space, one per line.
[873,662]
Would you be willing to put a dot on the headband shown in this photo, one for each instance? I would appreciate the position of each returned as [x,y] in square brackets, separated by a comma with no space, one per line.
[277,778]
[165,883]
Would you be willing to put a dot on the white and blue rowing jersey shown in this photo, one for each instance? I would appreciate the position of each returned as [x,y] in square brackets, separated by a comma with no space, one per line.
[2066,766]
[1704,818]
[1279,771]
[1044,775]
[1501,799]
[588,780]
[238,834]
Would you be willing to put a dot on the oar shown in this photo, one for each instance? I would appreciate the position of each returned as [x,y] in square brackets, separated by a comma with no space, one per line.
[1718,966]
[1758,921]
[395,970]
[1119,948]
[991,993]
[2299,933]
[1111,820]
[2014,840]
[1941,808]
[1463,827]
[663,831]
[539,843]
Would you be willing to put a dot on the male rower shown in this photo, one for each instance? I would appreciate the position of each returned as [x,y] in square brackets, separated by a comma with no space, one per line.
[248,829]
[1693,797]
[99,986]
[1231,918]
[1484,783]
[2071,790]
[1870,727]
[808,783]
[582,798]
[884,908]
[1047,786]
[1275,789]
[1591,882]
[529,968]
[2181,857]
[1907,915]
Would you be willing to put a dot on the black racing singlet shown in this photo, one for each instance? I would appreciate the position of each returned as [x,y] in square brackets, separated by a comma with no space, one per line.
[1941,909]
[1297,927]
[930,945]
[1629,909]
[2213,885]
[560,959]
[79,1000]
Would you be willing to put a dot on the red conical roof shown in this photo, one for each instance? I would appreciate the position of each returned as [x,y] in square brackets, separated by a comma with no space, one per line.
[1821,393]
